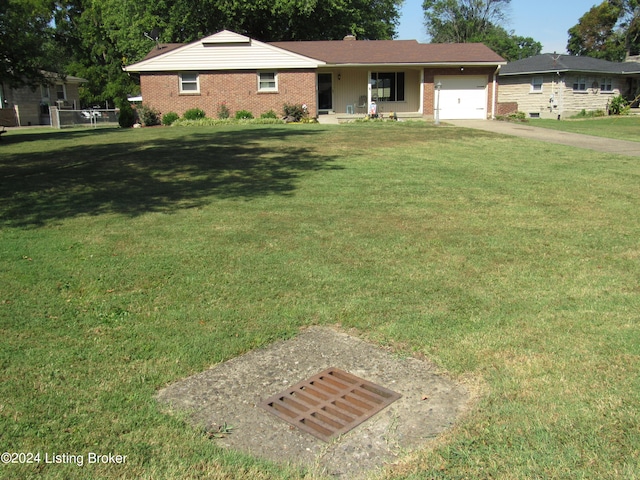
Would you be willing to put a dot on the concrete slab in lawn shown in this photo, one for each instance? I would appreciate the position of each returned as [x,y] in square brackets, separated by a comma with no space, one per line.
[230,392]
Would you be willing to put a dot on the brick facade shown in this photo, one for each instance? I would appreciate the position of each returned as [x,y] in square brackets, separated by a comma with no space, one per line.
[237,89]
[507,108]
[429,86]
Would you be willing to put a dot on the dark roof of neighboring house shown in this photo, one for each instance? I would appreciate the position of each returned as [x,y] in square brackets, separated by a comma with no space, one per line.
[53,76]
[365,52]
[551,62]
[162,48]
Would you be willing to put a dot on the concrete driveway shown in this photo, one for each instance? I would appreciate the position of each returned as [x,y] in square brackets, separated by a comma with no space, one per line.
[600,144]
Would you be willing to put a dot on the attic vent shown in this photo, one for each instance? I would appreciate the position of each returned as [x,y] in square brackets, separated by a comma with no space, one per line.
[349,38]
[226,38]
[208,43]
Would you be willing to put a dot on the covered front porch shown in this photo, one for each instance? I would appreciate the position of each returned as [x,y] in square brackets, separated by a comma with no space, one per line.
[346,93]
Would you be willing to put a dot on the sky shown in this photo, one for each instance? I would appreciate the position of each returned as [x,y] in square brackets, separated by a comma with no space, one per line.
[546,21]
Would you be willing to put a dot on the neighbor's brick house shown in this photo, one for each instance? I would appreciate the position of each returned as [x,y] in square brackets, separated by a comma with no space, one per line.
[340,77]
[26,106]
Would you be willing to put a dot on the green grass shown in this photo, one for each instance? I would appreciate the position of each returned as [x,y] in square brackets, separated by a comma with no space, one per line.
[616,127]
[131,259]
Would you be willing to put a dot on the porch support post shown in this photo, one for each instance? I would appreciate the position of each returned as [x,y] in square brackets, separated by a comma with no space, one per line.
[421,108]
[368,90]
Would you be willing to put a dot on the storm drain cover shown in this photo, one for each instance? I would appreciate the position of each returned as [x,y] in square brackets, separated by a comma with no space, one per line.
[330,403]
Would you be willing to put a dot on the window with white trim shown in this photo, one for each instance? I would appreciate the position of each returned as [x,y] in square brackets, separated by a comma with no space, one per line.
[189,83]
[580,84]
[536,85]
[606,85]
[267,82]
[61,93]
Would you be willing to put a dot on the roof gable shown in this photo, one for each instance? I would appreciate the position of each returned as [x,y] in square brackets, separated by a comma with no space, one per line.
[222,51]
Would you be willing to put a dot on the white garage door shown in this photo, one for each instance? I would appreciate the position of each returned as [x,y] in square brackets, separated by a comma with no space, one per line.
[462,97]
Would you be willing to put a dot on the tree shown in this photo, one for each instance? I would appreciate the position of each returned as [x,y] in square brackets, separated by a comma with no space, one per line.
[509,45]
[595,35]
[101,36]
[26,49]
[609,31]
[92,51]
[459,21]
[630,24]
[465,21]
[281,20]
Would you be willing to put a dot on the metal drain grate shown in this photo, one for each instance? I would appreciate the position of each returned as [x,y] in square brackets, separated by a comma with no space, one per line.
[330,403]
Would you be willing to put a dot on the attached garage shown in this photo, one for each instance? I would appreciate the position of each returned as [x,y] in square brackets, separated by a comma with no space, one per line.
[462,97]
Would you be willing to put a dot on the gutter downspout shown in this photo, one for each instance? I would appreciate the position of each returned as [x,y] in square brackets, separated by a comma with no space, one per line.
[493,93]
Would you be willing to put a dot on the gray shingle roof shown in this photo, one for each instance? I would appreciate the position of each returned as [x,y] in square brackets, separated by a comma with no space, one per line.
[551,62]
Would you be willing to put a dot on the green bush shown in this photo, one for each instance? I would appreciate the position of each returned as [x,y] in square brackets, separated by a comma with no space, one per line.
[589,114]
[225,121]
[618,106]
[126,117]
[148,116]
[194,114]
[223,111]
[513,117]
[295,112]
[244,115]
[169,117]
[269,114]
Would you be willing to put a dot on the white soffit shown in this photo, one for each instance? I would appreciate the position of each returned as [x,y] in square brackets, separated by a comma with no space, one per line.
[224,51]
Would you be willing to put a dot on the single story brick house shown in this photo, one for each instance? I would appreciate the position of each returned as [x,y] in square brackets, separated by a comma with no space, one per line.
[337,77]
[27,106]
[552,85]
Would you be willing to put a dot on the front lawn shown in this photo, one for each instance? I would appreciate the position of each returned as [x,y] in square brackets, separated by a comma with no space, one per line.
[617,127]
[130,259]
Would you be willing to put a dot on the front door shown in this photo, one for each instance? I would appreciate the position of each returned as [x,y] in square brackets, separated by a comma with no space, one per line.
[325,91]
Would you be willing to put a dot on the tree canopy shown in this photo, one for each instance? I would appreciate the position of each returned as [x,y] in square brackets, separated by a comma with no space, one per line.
[94,39]
[465,21]
[460,21]
[26,42]
[282,20]
[610,31]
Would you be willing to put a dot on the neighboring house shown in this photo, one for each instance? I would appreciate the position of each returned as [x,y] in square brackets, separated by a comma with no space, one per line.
[340,77]
[26,106]
[552,86]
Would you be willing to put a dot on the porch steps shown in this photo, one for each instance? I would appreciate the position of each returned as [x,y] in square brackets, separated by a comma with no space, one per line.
[336,118]
[328,119]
